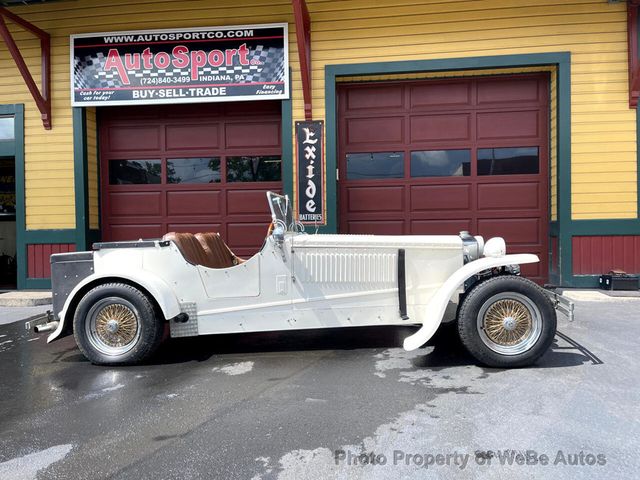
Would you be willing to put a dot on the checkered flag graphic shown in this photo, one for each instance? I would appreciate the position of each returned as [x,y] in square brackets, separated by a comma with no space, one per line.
[89,73]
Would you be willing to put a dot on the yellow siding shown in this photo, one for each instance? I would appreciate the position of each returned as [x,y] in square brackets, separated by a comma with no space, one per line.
[49,154]
[92,161]
[604,131]
[604,180]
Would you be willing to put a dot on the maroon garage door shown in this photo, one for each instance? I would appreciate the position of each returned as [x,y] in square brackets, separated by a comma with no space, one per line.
[190,168]
[437,157]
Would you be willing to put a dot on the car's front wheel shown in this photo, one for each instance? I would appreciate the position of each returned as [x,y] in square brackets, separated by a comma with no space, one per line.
[507,321]
[116,324]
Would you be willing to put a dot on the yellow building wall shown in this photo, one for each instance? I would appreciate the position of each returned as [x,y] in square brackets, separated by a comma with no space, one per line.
[604,180]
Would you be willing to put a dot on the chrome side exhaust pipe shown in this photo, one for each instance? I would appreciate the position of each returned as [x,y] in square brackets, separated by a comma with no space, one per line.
[46,327]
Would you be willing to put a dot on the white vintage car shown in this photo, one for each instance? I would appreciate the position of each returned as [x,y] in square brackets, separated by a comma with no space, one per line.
[118,298]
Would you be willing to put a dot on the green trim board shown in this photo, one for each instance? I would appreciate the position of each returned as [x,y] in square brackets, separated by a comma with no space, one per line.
[37,284]
[17,111]
[562,62]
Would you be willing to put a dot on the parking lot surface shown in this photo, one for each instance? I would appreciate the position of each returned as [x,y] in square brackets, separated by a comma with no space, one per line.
[346,403]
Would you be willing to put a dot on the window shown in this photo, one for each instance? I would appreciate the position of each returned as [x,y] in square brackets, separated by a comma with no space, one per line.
[7,128]
[127,172]
[262,168]
[508,161]
[441,163]
[372,166]
[193,170]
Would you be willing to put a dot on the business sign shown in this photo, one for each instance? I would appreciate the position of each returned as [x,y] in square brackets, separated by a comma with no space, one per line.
[310,155]
[219,64]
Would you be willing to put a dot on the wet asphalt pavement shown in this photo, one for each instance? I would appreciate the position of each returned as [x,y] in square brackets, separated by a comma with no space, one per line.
[280,405]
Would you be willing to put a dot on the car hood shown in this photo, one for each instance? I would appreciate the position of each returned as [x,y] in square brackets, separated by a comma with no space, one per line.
[379,241]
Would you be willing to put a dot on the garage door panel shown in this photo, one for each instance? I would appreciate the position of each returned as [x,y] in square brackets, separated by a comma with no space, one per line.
[244,235]
[195,227]
[515,231]
[129,204]
[498,189]
[135,231]
[132,138]
[252,135]
[383,97]
[375,130]
[376,199]
[493,125]
[380,227]
[248,202]
[440,197]
[513,90]
[188,201]
[509,196]
[440,227]
[439,128]
[440,94]
[192,137]
[193,203]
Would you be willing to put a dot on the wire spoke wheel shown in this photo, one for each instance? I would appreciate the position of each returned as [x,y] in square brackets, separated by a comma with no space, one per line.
[113,326]
[509,323]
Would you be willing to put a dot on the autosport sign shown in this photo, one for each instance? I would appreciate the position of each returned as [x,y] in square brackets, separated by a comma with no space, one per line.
[310,172]
[218,64]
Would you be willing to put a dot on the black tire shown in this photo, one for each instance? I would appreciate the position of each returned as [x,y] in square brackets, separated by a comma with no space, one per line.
[483,299]
[92,332]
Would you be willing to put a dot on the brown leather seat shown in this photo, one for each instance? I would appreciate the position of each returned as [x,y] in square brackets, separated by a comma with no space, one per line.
[190,248]
[218,252]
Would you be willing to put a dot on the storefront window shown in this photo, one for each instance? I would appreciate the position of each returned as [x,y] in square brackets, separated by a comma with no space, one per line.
[441,163]
[265,168]
[372,166]
[508,161]
[193,170]
[127,172]
[7,131]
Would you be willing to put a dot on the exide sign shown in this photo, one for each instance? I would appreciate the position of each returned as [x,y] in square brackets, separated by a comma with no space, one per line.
[180,66]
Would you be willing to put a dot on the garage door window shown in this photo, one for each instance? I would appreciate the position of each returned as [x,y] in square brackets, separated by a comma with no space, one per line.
[129,172]
[441,163]
[263,168]
[193,170]
[371,166]
[508,161]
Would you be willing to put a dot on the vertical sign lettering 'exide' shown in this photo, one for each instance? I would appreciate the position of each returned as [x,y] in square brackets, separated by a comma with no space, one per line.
[310,172]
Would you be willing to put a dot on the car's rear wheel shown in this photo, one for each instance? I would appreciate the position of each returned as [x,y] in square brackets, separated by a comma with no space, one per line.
[507,321]
[116,324]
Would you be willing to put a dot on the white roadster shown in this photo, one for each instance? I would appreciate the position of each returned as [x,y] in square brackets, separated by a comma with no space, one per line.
[117,299]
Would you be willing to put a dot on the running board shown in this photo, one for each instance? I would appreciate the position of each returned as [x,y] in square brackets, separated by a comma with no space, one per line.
[562,304]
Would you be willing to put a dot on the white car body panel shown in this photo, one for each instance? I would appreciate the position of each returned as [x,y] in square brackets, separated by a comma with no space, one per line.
[303,282]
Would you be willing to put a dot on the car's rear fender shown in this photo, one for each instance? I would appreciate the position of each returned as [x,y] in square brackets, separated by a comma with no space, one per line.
[437,304]
[151,284]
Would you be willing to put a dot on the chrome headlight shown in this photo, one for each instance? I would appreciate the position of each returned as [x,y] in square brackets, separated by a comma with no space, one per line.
[472,247]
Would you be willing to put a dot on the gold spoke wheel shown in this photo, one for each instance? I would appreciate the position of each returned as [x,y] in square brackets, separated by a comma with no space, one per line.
[113,326]
[509,323]
[116,325]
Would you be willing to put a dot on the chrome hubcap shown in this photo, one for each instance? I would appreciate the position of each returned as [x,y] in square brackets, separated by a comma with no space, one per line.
[509,323]
[112,326]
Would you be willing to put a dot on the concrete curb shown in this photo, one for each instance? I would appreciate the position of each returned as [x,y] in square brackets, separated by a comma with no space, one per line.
[25,298]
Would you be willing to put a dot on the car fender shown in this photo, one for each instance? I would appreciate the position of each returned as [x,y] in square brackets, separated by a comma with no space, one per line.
[157,288]
[437,304]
